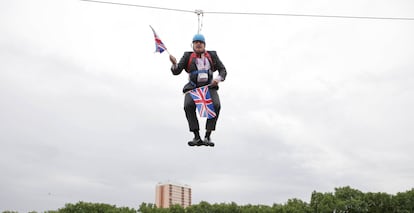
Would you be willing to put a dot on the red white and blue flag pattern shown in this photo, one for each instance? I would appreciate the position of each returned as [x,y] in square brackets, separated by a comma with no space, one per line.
[159,46]
[203,101]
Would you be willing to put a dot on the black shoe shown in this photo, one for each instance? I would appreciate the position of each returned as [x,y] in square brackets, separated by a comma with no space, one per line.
[195,142]
[207,142]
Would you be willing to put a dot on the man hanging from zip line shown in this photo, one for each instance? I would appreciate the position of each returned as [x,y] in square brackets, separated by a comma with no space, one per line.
[200,65]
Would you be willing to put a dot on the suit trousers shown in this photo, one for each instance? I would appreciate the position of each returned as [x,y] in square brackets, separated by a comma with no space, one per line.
[190,111]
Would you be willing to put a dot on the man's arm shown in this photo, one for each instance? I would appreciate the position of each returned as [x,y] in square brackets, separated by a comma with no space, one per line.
[177,68]
[218,65]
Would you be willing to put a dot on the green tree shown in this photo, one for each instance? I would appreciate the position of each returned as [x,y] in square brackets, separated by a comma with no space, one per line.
[202,207]
[176,209]
[378,202]
[322,202]
[84,207]
[256,209]
[278,208]
[296,206]
[152,208]
[403,202]
[225,208]
[350,200]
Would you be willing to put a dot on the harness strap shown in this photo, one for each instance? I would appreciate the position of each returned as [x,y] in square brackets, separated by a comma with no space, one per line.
[194,55]
[195,72]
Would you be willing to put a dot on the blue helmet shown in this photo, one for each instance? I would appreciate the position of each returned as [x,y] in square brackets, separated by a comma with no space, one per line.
[199,37]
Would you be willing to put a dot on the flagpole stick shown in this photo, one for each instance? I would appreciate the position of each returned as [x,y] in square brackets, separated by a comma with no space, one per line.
[208,85]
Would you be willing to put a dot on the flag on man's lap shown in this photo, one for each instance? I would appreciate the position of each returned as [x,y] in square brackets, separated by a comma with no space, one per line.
[203,101]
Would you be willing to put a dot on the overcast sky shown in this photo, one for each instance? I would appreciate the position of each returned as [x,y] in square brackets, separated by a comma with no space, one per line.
[88,111]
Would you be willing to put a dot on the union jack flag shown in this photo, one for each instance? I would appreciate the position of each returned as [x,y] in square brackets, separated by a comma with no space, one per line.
[202,99]
[159,46]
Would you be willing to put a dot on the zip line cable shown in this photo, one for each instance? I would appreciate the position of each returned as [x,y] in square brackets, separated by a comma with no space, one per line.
[200,12]
[312,15]
[143,6]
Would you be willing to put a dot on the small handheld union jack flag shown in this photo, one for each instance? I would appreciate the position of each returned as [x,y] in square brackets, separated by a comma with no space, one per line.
[202,99]
[159,46]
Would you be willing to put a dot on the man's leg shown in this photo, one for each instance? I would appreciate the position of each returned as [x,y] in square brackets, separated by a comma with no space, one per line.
[190,114]
[211,123]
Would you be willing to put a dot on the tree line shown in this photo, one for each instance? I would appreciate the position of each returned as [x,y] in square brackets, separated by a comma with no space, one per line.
[342,200]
